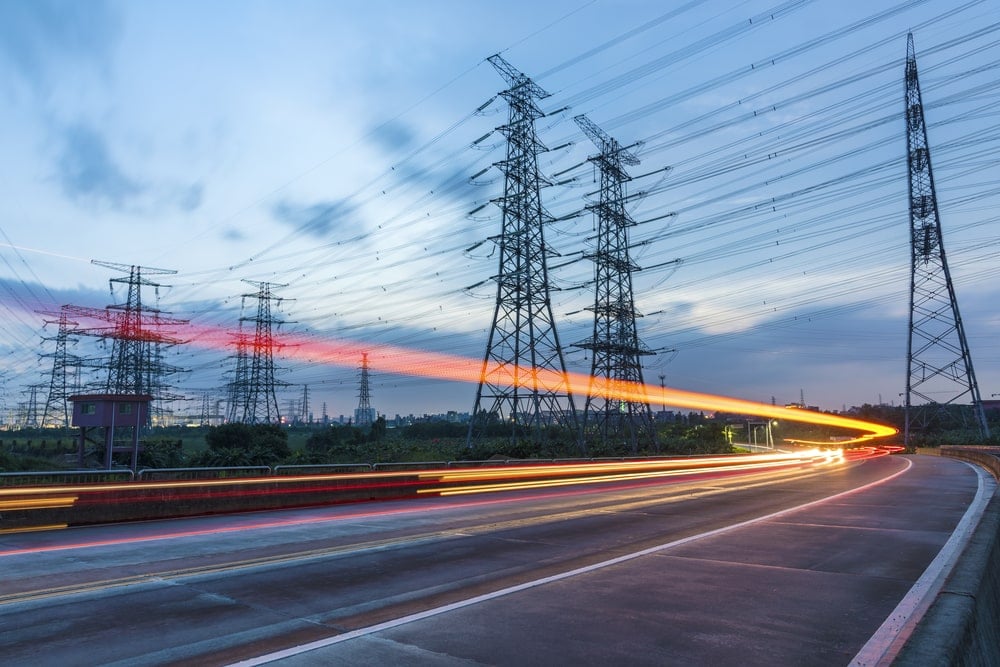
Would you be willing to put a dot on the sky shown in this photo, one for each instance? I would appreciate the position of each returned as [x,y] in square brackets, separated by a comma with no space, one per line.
[346,152]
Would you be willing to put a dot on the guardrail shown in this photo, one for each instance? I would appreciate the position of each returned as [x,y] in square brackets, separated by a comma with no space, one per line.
[321,468]
[89,476]
[219,472]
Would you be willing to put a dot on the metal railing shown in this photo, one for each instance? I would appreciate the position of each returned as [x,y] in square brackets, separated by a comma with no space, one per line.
[219,472]
[46,477]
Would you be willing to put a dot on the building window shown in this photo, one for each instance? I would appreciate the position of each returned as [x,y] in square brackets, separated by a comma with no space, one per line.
[124,408]
[88,409]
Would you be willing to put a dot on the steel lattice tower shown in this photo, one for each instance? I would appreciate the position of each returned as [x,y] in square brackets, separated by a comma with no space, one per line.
[363,415]
[29,409]
[260,404]
[136,366]
[615,346]
[56,412]
[939,365]
[523,381]
[237,387]
[304,407]
[138,335]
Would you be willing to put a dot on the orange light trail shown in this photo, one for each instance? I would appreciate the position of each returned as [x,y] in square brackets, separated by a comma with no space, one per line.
[439,366]
[518,478]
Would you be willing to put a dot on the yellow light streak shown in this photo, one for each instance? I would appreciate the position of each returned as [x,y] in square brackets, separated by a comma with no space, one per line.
[396,360]
[553,475]
[37,503]
[418,363]
[622,477]
[33,529]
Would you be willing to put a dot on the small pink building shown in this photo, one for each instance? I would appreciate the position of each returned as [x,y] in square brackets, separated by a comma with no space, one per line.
[110,412]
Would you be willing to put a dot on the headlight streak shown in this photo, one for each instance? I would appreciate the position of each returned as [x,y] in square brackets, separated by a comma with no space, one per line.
[59,506]
[540,484]
[820,459]
[541,476]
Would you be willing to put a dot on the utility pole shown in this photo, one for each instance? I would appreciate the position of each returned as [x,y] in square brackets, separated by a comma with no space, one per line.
[613,413]
[523,384]
[940,380]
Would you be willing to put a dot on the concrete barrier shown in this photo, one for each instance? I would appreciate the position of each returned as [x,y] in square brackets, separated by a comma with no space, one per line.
[962,626]
[63,505]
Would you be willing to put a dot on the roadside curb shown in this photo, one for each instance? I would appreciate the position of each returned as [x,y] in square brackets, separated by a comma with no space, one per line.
[962,626]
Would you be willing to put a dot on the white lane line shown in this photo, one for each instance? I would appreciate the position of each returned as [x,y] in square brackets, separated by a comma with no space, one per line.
[888,640]
[403,620]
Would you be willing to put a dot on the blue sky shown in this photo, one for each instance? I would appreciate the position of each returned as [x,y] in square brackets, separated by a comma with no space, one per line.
[328,147]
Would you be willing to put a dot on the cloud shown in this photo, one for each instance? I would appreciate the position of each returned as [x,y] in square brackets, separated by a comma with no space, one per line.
[87,172]
[233,234]
[41,36]
[319,220]
[190,198]
[393,136]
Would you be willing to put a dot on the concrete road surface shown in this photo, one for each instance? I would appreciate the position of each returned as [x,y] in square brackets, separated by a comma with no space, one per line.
[709,570]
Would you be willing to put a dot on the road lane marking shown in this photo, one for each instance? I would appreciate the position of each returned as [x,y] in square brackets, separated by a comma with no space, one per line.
[460,604]
[888,640]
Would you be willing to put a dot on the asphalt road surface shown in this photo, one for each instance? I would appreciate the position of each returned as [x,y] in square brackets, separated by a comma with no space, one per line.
[790,567]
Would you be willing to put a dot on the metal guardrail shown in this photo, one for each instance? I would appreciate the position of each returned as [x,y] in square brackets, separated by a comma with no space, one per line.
[320,468]
[221,472]
[416,465]
[44,477]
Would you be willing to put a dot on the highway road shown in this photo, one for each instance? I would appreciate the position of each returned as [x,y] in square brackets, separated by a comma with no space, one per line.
[795,566]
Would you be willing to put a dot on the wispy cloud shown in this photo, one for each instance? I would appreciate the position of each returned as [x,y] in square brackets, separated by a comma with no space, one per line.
[394,136]
[40,37]
[87,172]
[320,220]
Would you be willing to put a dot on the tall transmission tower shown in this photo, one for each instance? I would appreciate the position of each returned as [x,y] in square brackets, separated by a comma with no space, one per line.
[65,368]
[29,417]
[523,382]
[615,346]
[138,334]
[260,404]
[237,387]
[939,378]
[364,416]
[304,407]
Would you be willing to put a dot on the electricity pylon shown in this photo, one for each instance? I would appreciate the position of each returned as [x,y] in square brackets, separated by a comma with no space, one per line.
[363,416]
[260,404]
[138,334]
[236,394]
[56,412]
[939,365]
[616,411]
[523,384]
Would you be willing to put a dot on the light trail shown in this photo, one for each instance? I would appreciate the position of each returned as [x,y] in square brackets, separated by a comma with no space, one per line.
[439,366]
[440,478]
[59,506]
